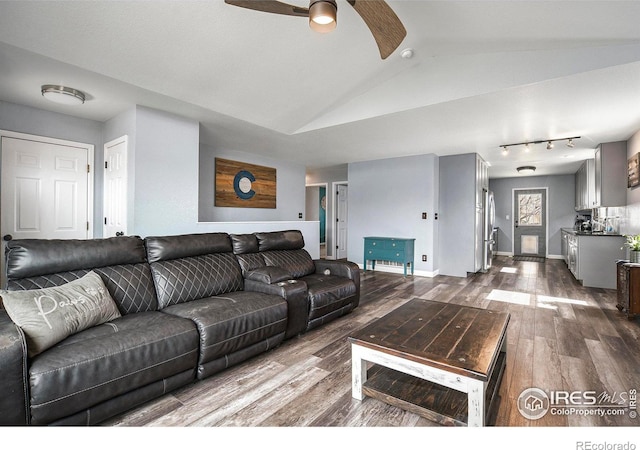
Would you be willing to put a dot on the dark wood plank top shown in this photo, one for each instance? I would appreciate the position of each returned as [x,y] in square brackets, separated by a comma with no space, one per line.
[455,338]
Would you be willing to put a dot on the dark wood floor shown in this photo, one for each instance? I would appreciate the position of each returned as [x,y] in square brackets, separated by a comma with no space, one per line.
[561,337]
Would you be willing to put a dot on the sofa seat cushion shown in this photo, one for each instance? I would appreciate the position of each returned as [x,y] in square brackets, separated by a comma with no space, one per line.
[230,322]
[108,360]
[327,293]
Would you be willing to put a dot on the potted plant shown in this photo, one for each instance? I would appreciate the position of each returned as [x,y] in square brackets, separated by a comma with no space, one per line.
[633,243]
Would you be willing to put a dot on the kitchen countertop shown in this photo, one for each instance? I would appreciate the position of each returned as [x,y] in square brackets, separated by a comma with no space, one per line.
[589,233]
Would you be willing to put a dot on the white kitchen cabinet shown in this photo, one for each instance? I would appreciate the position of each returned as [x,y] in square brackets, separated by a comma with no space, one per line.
[610,174]
[592,258]
[585,186]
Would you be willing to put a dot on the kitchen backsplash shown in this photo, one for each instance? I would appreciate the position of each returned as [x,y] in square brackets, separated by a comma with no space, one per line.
[631,222]
[621,219]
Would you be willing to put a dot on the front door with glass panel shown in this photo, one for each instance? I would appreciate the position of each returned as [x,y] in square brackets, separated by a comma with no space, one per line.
[530,222]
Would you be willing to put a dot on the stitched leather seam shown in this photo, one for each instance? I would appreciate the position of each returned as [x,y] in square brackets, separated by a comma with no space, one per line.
[112,354]
[238,317]
[236,336]
[113,379]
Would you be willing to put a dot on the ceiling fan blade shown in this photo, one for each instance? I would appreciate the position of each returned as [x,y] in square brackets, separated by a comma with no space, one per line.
[270,6]
[385,26]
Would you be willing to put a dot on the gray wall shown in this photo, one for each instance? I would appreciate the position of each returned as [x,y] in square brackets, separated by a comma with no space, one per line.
[457,214]
[166,173]
[387,198]
[290,192]
[561,201]
[329,175]
[25,119]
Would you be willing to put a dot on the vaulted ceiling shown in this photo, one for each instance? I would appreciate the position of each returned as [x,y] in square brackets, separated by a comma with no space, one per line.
[483,74]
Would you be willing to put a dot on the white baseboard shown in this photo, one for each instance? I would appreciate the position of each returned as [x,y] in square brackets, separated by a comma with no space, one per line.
[400,270]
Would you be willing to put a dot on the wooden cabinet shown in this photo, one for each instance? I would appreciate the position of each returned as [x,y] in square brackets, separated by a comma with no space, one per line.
[628,284]
[585,186]
[399,250]
[610,175]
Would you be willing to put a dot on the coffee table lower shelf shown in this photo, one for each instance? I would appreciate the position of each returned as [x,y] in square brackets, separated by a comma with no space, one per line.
[429,400]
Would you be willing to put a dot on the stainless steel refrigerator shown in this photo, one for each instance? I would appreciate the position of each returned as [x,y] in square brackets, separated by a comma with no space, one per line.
[489,213]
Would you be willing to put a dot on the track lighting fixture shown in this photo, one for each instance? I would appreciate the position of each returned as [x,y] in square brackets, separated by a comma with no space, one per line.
[527,145]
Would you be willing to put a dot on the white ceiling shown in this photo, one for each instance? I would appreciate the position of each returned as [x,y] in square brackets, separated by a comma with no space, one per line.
[483,74]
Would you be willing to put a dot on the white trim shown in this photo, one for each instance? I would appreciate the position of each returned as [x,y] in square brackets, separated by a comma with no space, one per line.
[334,195]
[90,159]
[400,270]
[546,215]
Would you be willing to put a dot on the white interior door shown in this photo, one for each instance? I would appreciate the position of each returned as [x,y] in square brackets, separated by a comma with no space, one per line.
[47,188]
[115,187]
[341,221]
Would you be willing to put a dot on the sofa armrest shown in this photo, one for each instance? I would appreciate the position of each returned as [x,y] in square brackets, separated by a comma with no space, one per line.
[341,268]
[295,294]
[14,395]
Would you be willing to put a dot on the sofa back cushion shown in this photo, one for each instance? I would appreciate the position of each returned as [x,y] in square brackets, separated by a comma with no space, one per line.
[120,261]
[245,247]
[297,262]
[280,240]
[192,266]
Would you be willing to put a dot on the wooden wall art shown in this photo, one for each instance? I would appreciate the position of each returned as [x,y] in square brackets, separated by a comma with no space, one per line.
[243,185]
[633,167]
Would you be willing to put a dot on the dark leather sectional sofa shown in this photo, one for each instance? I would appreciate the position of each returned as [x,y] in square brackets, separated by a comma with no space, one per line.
[191,306]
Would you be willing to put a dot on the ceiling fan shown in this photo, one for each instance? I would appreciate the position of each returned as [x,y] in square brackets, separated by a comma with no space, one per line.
[384,24]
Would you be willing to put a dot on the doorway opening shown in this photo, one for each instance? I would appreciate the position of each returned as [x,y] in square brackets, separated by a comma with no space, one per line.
[316,209]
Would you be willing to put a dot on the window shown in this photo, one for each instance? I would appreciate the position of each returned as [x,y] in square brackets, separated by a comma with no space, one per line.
[530,209]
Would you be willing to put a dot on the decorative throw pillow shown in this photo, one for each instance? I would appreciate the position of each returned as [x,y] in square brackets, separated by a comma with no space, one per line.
[47,316]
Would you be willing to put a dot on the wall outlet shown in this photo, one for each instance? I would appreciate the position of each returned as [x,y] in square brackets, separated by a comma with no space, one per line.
[424,257]
[424,215]
[299,215]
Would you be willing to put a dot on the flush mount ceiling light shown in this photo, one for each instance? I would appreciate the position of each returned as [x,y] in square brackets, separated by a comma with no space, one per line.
[62,94]
[323,16]
[526,169]
[527,144]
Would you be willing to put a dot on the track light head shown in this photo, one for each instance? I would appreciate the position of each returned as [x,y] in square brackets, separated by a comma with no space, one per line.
[549,145]
[570,143]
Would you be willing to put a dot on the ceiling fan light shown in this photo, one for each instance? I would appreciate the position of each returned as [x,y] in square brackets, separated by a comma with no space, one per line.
[323,16]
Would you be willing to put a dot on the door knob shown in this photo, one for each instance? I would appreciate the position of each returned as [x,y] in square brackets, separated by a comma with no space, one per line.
[7,237]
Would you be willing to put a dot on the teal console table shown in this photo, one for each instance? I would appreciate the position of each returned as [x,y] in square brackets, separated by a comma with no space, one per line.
[398,250]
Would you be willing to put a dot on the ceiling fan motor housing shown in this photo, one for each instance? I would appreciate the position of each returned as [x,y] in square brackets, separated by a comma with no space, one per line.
[323,15]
